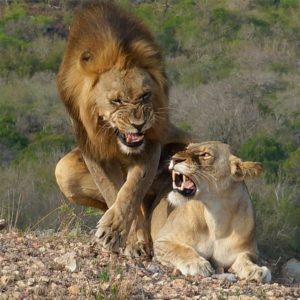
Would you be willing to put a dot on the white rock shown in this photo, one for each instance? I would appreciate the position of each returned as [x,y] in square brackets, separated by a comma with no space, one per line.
[225,276]
[68,261]
[291,270]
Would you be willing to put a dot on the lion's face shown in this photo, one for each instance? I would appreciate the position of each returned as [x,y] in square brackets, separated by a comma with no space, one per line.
[204,170]
[124,101]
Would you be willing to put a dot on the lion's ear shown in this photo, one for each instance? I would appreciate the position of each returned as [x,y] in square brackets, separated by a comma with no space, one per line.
[241,170]
[86,61]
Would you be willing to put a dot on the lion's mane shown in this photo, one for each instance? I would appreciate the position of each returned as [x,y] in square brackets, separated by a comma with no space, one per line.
[103,36]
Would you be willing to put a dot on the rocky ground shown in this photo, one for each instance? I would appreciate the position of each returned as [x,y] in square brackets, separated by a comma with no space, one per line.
[69,266]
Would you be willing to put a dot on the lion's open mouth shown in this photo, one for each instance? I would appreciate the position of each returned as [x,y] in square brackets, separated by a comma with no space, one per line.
[131,139]
[183,184]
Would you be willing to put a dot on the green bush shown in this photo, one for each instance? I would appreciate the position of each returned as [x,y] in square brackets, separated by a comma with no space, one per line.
[265,149]
[278,223]
[291,166]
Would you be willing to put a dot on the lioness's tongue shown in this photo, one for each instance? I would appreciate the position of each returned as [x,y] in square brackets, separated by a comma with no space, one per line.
[134,137]
[188,184]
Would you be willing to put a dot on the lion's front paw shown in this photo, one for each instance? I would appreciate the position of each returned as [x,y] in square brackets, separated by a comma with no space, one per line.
[111,230]
[258,274]
[196,266]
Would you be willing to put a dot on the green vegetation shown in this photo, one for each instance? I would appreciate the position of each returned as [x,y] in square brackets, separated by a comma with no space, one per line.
[234,75]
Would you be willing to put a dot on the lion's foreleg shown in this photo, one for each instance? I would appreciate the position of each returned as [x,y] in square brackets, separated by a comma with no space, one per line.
[246,269]
[114,226]
[108,180]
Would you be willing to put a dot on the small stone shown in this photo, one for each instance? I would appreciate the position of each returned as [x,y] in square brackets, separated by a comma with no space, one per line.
[291,270]
[4,280]
[21,284]
[42,249]
[225,276]
[44,279]
[146,278]
[31,281]
[118,277]
[68,261]
[74,290]
[179,283]
[153,268]
[16,295]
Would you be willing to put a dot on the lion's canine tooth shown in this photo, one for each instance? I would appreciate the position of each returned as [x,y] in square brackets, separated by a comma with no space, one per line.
[174,185]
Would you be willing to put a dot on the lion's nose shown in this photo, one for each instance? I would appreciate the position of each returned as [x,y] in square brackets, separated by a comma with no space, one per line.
[138,127]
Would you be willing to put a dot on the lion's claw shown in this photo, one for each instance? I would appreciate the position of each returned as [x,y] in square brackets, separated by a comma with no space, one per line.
[110,233]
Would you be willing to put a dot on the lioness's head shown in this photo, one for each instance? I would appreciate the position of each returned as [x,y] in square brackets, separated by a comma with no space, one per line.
[205,169]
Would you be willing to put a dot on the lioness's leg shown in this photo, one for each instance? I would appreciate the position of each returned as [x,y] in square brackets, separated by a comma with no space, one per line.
[246,269]
[76,182]
[182,257]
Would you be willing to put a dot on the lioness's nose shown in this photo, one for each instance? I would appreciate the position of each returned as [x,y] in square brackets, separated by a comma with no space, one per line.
[178,160]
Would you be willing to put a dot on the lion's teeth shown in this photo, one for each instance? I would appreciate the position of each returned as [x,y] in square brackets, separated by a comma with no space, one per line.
[174,185]
[184,178]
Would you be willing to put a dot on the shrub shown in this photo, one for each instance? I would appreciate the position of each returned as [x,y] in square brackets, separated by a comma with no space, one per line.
[265,149]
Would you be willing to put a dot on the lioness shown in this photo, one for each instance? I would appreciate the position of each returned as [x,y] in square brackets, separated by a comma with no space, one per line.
[112,81]
[207,219]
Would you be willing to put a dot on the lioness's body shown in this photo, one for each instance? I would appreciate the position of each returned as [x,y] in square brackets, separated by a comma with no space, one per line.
[113,84]
[215,227]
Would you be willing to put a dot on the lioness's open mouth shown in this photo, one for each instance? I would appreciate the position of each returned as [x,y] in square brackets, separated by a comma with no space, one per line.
[183,184]
[131,139]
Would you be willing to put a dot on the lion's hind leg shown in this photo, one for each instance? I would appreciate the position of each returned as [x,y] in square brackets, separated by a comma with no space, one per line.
[76,182]
[182,257]
[246,269]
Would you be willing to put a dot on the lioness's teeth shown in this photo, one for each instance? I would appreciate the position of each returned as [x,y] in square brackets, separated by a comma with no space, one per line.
[182,186]
[174,185]
[174,173]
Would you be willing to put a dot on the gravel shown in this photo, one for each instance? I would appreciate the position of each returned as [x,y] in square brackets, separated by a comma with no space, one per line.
[65,266]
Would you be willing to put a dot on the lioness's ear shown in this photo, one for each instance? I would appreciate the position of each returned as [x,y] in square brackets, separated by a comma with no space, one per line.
[241,170]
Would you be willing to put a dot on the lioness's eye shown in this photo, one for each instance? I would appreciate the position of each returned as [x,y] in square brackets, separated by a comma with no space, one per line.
[205,155]
[146,96]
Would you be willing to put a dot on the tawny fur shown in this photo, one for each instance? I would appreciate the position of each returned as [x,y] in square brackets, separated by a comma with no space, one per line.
[215,227]
[110,56]
[114,39]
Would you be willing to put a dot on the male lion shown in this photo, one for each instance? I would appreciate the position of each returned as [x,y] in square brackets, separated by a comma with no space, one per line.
[113,84]
[211,216]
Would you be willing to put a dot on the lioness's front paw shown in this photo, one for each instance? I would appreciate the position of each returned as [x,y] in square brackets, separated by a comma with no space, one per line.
[138,249]
[196,266]
[111,230]
[258,274]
